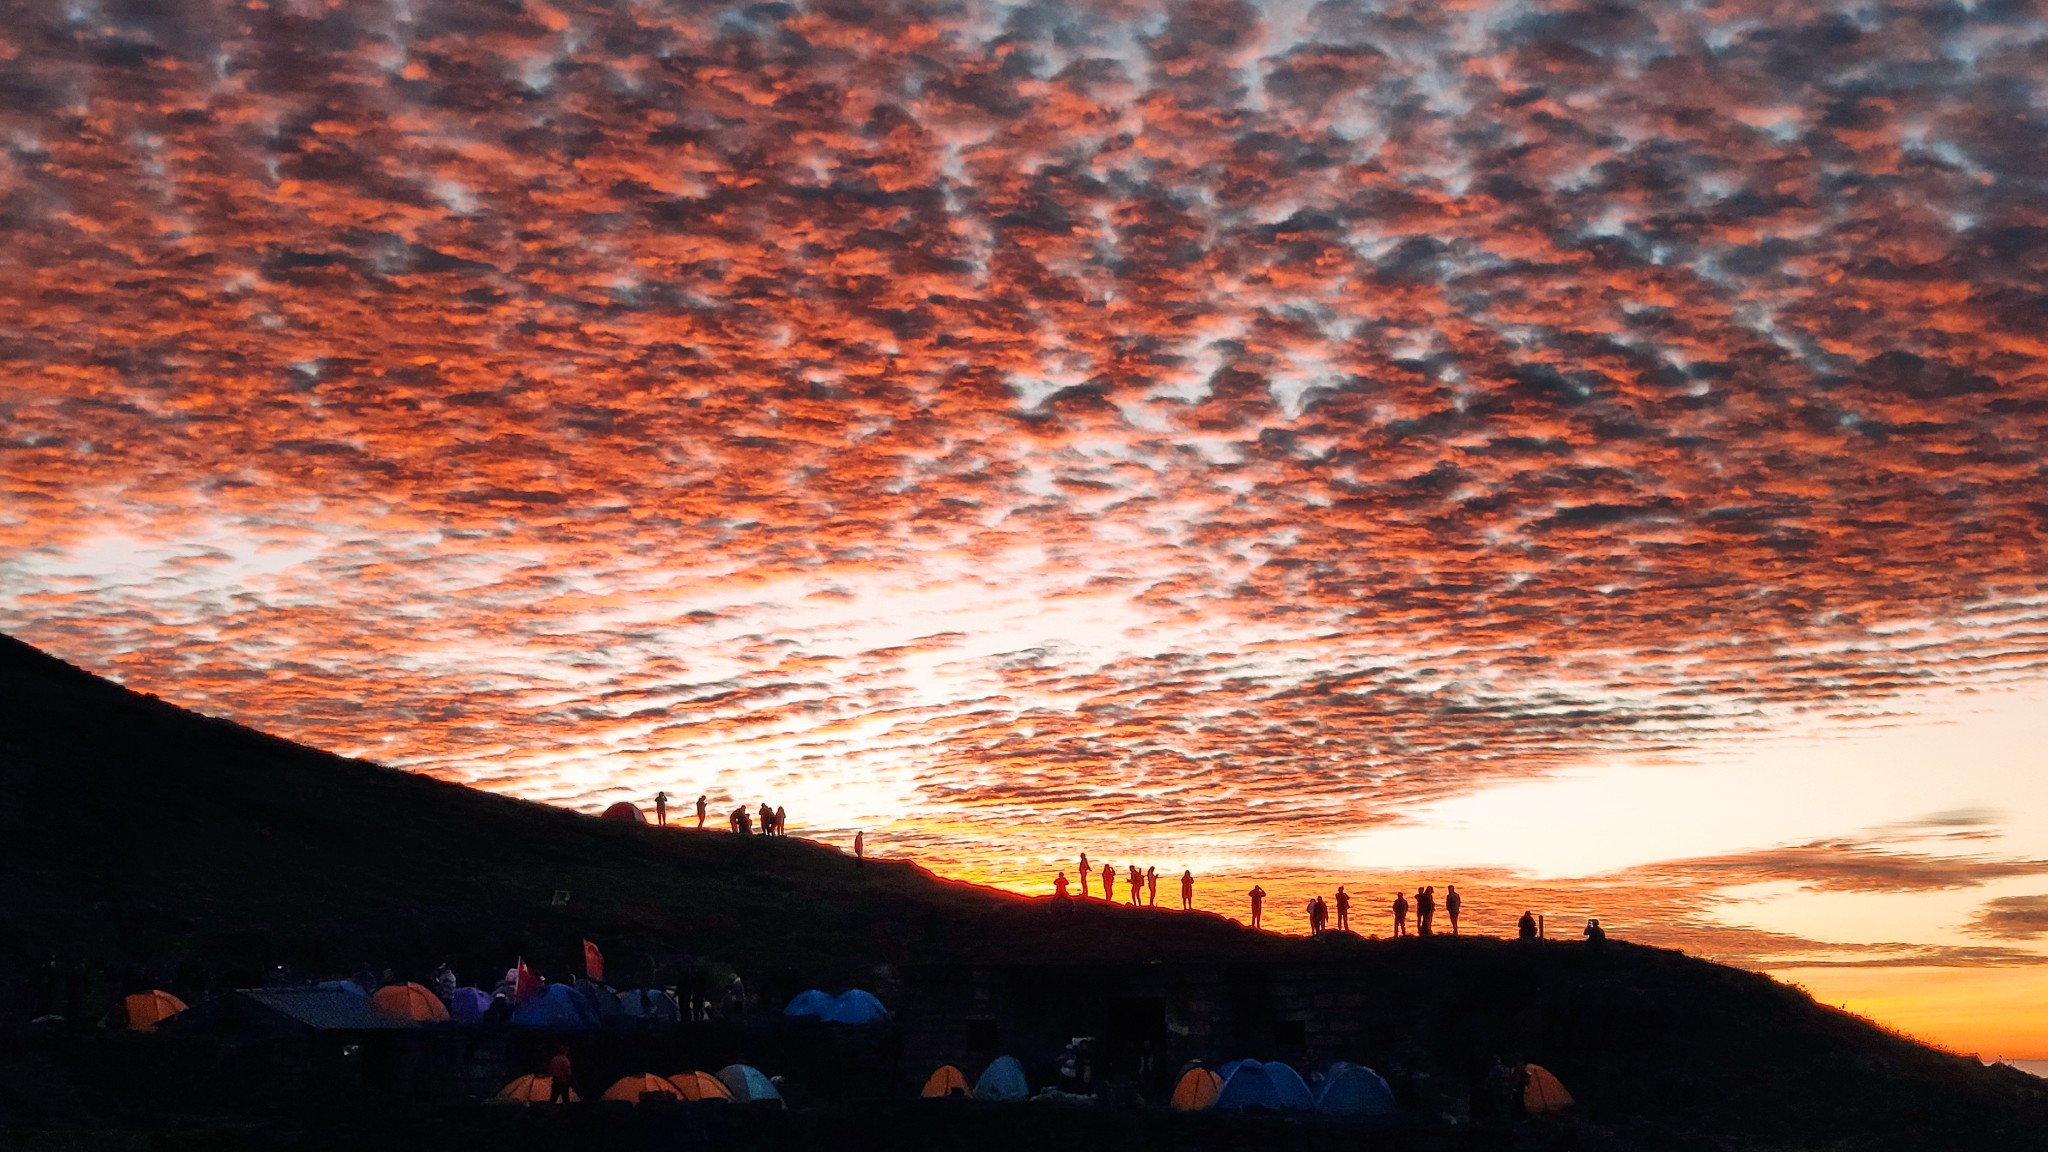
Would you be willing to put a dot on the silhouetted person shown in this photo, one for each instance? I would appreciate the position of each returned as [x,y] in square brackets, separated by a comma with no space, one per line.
[1400,914]
[1108,884]
[860,849]
[1595,934]
[560,1073]
[1059,887]
[1451,902]
[1343,909]
[1151,887]
[444,983]
[661,808]
[703,802]
[1425,908]
[1084,875]
[767,819]
[1187,890]
[1258,896]
[781,821]
[1137,881]
[1526,927]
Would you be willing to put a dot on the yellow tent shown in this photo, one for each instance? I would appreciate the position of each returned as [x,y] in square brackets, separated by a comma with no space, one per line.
[1544,1093]
[1198,1089]
[700,1086]
[532,1090]
[947,1081]
[147,1009]
[409,1002]
[633,1089]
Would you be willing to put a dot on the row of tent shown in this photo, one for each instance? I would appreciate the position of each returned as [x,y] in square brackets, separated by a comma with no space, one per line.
[733,1084]
[852,1006]
[1351,1090]
[557,1006]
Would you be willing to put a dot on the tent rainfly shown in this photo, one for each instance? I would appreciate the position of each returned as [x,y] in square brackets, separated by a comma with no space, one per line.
[946,1081]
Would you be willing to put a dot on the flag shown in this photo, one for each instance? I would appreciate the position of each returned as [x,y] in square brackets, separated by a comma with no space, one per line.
[593,962]
[526,985]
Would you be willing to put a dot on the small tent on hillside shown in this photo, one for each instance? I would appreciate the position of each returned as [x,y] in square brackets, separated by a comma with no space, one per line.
[533,1090]
[1196,1090]
[854,1006]
[1289,1088]
[469,1005]
[1002,1080]
[1356,1091]
[809,1002]
[625,812]
[700,1086]
[1542,1093]
[634,1089]
[409,1002]
[748,1084]
[557,1006]
[650,1004]
[147,1009]
[947,1081]
[1246,1085]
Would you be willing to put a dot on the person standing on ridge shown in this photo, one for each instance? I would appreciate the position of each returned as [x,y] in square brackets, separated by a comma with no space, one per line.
[781,828]
[1425,907]
[1451,902]
[702,803]
[1400,914]
[1525,928]
[1059,887]
[860,849]
[661,809]
[1151,887]
[1187,890]
[1258,896]
[1084,875]
[1343,909]
[559,1076]
[1108,884]
[1137,879]
[767,819]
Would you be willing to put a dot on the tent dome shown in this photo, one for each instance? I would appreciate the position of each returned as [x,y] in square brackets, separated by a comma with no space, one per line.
[748,1084]
[469,1005]
[634,1089]
[1196,1090]
[1543,1093]
[409,1002]
[809,1002]
[856,1007]
[1246,1085]
[650,1004]
[947,1081]
[148,1009]
[1355,1090]
[1002,1080]
[700,1086]
[626,811]
[557,1006]
[1289,1087]
[533,1090]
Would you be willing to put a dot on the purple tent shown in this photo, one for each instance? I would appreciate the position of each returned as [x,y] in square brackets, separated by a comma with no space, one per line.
[468,1005]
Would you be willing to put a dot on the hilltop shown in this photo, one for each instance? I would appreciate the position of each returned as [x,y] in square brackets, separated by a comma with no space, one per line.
[156,843]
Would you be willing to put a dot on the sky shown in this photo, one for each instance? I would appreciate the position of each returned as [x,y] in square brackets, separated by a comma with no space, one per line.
[1588,453]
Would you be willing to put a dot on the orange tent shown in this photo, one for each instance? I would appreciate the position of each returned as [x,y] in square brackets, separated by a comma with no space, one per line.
[1544,1093]
[947,1081]
[147,1009]
[1198,1089]
[626,810]
[409,1002]
[633,1089]
[532,1090]
[701,1086]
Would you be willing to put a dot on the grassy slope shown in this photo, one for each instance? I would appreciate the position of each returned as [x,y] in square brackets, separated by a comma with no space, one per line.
[134,832]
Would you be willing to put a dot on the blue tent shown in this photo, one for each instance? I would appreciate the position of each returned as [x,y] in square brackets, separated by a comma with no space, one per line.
[1002,1080]
[809,1003]
[558,1006]
[748,1084]
[1355,1090]
[468,1005]
[856,1007]
[1290,1088]
[1247,1086]
[650,1004]
[344,986]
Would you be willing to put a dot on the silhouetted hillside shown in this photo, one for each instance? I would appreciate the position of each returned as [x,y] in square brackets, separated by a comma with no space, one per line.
[158,844]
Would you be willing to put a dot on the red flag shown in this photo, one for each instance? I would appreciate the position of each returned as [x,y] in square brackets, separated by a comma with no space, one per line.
[593,962]
[526,985]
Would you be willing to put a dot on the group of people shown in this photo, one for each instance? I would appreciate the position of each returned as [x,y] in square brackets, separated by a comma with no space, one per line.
[1141,883]
[740,820]
[1319,913]
[1425,910]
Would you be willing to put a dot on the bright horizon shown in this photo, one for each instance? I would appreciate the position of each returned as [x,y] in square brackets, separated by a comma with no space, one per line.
[1595,461]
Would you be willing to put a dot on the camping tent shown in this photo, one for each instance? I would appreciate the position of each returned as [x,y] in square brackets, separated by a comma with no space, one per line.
[409,1002]
[602,1000]
[947,1081]
[532,1090]
[1289,1088]
[634,1089]
[626,811]
[1246,1085]
[1355,1090]
[558,1006]
[1003,1079]
[344,986]
[147,1009]
[748,1084]
[469,1004]
[1543,1093]
[650,1004]
[854,1006]
[700,1086]
[810,1002]
[1197,1089]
